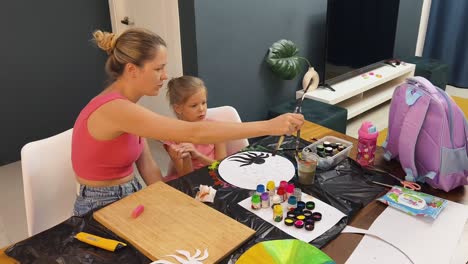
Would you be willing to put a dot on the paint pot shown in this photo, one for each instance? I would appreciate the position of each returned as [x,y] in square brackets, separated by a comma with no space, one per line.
[300,205]
[260,189]
[281,192]
[276,200]
[265,197]
[316,216]
[299,224]
[300,217]
[290,190]
[310,205]
[289,221]
[277,213]
[256,203]
[298,194]
[291,203]
[271,188]
[309,227]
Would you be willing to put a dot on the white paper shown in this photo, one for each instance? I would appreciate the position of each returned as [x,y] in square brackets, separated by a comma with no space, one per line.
[424,240]
[275,168]
[330,216]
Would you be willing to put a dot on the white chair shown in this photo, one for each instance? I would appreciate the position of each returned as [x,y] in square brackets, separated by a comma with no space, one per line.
[49,181]
[228,114]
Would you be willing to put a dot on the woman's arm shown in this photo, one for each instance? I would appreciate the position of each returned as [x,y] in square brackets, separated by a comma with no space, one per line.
[148,168]
[119,116]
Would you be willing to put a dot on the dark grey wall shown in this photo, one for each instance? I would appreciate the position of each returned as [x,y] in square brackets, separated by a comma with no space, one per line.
[49,69]
[232,38]
[409,15]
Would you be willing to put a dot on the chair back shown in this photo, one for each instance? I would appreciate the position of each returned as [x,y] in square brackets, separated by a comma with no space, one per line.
[49,181]
[228,114]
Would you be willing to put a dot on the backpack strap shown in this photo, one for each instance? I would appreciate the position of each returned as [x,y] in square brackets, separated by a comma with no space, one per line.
[397,110]
[410,129]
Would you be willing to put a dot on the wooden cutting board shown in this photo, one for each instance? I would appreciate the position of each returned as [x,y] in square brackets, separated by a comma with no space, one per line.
[173,221]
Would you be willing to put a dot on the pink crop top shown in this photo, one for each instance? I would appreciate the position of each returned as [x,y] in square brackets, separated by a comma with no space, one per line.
[99,160]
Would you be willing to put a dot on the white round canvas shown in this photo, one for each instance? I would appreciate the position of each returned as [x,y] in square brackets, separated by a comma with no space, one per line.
[275,168]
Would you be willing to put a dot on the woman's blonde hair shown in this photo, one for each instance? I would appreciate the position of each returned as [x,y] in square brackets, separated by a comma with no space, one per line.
[181,88]
[135,46]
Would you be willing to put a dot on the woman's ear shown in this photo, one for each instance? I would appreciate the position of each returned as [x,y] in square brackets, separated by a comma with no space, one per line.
[131,70]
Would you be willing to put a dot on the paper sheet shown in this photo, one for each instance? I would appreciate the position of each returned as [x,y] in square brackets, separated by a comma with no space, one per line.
[275,168]
[424,240]
[330,216]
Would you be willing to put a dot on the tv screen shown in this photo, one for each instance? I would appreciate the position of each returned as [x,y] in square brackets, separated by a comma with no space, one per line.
[360,33]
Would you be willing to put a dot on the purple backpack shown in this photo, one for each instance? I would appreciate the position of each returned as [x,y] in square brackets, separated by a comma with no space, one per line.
[428,133]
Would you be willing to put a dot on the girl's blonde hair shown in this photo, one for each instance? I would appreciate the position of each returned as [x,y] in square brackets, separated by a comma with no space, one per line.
[135,46]
[181,88]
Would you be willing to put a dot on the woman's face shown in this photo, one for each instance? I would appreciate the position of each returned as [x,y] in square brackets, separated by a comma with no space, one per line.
[194,109]
[153,73]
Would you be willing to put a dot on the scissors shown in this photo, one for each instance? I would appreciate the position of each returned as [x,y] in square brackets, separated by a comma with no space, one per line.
[406,184]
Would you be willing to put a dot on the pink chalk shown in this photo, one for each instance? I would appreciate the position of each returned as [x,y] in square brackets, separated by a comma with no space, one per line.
[137,211]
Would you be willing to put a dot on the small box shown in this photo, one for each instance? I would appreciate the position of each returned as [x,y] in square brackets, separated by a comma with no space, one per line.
[326,163]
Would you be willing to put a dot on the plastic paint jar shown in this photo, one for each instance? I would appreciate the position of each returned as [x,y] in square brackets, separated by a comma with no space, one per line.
[290,190]
[298,194]
[256,204]
[260,189]
[275,200]
[282,194]
[291,203]
[271,188]
[277,213]
[265,197]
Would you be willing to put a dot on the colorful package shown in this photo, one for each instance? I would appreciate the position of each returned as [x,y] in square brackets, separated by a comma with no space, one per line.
[413,202]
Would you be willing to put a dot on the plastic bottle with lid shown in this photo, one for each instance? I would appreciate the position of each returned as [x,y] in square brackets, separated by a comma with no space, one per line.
[367,143]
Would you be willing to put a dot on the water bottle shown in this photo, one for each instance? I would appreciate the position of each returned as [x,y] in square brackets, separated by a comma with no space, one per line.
[367,143]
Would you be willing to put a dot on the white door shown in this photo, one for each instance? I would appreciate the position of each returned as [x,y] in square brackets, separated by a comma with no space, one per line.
[161,17]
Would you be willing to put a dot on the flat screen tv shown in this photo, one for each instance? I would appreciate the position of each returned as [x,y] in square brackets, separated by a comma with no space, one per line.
[360,36]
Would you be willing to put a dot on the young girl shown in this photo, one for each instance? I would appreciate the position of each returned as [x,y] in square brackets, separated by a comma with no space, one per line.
[187,96]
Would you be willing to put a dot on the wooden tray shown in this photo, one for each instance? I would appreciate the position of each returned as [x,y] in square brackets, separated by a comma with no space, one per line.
[171,221]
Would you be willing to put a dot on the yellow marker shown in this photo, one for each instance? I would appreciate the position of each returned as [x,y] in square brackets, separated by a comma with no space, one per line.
[104,243]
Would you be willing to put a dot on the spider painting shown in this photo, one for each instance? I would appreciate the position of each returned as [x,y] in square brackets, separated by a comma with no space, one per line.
[248,158]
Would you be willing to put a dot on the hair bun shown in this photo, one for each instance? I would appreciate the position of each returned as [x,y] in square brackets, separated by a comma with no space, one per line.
[105,40]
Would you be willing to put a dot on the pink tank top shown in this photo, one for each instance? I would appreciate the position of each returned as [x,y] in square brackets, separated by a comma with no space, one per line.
[97,160]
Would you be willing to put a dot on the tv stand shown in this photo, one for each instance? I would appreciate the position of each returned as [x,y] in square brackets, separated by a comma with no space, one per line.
[363,92]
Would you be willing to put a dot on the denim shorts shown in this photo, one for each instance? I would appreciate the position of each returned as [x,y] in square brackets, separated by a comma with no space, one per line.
[91,198]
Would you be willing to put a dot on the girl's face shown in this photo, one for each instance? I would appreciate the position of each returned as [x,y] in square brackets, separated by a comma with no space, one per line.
[194,109]
[152,75]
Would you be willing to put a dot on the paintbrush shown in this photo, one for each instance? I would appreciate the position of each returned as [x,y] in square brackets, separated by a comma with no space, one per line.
[280,141]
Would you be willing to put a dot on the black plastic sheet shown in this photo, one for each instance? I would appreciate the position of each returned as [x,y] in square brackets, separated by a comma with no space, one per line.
[346,187]
[58,245]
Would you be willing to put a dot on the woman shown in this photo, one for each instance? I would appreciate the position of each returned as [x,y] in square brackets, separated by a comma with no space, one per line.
[109,134]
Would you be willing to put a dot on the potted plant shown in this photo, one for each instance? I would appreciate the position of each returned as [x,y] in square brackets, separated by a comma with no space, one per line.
[284,61]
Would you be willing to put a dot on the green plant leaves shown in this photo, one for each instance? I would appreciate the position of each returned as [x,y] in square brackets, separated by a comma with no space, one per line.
[283,60]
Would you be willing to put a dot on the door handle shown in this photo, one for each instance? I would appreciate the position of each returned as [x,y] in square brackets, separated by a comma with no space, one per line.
[126,21]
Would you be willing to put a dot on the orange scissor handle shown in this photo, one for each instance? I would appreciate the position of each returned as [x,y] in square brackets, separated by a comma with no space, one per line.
[411,185]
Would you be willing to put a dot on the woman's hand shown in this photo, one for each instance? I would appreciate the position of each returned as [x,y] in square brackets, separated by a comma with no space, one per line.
[286,124]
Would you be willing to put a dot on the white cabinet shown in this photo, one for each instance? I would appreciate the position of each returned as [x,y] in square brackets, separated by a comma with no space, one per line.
[365,91]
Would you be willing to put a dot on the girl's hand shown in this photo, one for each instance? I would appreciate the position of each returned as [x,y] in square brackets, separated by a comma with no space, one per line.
[286,124]
[190,148]
[177,151]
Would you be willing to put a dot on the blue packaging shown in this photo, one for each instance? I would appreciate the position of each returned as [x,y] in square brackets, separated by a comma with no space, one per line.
[413,202]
